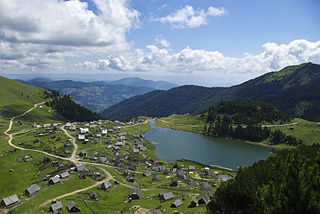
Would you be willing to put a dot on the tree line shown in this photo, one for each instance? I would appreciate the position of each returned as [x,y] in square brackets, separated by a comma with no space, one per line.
[65,106]
[288,182]
[241,120]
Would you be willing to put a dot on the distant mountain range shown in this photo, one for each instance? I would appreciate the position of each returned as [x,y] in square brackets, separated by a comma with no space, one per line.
[294,90]
[99,95]
[137,82]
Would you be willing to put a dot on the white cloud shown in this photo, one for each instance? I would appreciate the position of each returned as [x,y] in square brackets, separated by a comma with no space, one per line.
[188,17]
[66,23]
[159,40]
[38,35]
[213,63]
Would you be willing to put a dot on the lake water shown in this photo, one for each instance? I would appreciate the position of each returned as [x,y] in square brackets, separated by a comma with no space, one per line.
[174,145]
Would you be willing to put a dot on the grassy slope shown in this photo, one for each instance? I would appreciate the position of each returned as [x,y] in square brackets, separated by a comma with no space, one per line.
[307,131]
[25,174]
[17,96]
[185,122]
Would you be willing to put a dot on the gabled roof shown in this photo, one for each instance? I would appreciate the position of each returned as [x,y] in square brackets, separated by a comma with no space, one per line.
[80,167]
[204,199]
[32,189]
[72,207]
[135,193]
[177,203]
[147,173]
[192,182]
[155,177]
[192,168]
[105,185]
[93,195]
[56,206]
[166,196]
[193,203]
[54,180]
[102,159]
[10,200]
[206,186]
[64,175]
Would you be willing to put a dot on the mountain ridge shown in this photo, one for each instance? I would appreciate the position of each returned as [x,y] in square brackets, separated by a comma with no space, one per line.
[273,87]
[98,95]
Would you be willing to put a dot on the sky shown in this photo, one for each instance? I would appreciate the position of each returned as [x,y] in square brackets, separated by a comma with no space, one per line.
[202,42]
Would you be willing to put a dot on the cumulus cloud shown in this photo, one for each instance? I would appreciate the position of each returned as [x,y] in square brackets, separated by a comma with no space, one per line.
[159,40]
[188,17]
[201,62]
[66,23]
[37,35]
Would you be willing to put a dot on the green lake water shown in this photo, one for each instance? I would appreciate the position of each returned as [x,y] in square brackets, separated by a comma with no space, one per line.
[175,145]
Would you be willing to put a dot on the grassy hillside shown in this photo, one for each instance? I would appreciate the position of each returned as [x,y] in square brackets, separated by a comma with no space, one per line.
[16,97]
[294,90]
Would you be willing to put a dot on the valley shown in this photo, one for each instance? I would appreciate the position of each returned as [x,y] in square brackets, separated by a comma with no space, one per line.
[76,159]
[99,95]
[36,152]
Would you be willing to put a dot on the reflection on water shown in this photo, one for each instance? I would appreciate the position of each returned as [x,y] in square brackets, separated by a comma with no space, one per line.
[173,145]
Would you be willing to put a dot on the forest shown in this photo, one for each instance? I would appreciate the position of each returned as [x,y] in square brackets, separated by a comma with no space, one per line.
[288,182]
[70,110]
[242,120]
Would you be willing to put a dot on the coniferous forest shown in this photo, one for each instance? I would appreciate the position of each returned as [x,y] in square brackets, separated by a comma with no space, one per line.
[69,109]
[242,120]
[288,182]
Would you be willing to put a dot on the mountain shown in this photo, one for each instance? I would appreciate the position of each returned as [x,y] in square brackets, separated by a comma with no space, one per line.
[39,79]
[17,97]
[137,82]
[294,90]
[97,95]
[178,100]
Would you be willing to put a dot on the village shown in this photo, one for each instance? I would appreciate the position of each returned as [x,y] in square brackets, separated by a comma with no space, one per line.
[105,158]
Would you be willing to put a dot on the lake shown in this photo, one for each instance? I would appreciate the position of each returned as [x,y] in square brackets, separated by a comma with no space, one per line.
[175,145]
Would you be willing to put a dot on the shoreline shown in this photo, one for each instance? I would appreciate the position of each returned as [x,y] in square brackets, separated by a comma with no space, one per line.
[154,126]
[274,148]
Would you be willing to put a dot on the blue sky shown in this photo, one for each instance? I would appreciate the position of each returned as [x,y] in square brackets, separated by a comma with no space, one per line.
[204,42]
[247,25]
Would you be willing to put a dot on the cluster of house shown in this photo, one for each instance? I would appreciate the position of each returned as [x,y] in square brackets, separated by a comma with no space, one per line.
[62,173]
[34,188]
[57,205]
[138,146]
[118,145]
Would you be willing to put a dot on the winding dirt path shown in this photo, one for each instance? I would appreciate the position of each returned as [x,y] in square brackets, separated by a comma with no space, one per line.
[109,177]
[71,159]
[286,124]
[73,142]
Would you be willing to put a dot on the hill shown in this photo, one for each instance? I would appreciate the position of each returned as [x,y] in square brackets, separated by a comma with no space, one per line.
[96,95]
[99,95]
[137,82]
[294,90]
[162,103]
[284,183]
[16,97]
[246,112]
[70,110]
